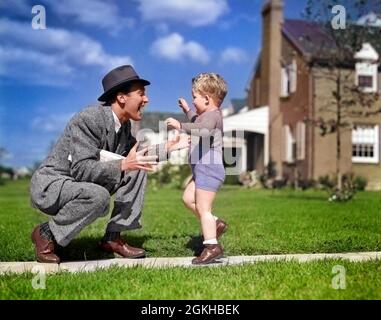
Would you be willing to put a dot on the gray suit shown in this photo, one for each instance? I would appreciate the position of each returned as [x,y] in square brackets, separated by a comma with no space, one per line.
[77,192]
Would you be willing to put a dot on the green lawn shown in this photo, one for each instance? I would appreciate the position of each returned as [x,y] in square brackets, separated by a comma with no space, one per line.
[277,280]
[260,222]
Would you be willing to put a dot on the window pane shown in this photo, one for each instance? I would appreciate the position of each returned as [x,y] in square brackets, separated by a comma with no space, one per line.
[366,81]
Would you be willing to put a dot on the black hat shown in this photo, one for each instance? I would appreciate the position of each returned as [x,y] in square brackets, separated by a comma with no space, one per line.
[117,79]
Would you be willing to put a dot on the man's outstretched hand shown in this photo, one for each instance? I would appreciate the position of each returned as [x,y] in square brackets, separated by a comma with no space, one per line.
[136,160]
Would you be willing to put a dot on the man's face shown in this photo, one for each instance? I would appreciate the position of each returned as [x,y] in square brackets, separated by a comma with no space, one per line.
[134,102]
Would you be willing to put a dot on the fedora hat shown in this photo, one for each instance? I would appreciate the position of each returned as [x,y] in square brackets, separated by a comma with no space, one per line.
[118,79]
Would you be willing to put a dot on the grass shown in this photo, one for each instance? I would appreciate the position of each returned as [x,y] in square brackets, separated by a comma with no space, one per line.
[260,222]
[275,280]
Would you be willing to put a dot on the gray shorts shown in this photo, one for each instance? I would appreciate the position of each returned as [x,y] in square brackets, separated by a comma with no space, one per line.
[208,177]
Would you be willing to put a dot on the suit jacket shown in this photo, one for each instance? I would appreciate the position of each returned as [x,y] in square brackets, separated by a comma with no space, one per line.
[87,133]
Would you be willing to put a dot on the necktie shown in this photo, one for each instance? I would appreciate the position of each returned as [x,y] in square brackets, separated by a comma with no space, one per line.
[117,138]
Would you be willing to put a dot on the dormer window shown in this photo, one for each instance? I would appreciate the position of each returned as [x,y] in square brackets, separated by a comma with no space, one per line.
[366,68]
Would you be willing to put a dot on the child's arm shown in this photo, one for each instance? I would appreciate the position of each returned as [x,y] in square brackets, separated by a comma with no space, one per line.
[203,128]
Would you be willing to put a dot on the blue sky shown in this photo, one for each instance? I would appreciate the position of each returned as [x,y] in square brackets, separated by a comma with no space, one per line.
[48,75]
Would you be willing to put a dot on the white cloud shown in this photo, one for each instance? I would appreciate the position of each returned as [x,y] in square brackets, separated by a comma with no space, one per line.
[51,123]
[48,52]
[174,47]
[192,12]
[98,13]
[233,55]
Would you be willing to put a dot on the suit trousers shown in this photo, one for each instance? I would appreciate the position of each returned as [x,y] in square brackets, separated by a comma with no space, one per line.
[80,203]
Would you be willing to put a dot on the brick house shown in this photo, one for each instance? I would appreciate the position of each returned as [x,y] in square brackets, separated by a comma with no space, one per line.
[286,88]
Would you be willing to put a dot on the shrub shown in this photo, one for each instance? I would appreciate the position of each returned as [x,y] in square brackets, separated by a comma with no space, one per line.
[232,180]
[303,184]
[248,179]
[326,182]
[350,185]
[268,179]
[171,175]
[360,183]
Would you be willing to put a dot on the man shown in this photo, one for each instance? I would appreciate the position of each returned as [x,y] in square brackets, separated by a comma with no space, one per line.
[74,186]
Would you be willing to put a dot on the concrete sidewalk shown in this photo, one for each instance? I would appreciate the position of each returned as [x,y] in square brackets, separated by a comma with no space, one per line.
[83,266]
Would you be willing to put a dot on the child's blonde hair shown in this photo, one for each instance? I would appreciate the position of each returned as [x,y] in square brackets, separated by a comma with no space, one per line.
[211,84]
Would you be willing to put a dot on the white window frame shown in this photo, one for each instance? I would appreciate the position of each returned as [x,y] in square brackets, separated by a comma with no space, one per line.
[366,138]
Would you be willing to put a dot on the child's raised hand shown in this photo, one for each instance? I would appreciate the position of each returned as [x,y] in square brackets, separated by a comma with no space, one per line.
[173,123]
[183,105]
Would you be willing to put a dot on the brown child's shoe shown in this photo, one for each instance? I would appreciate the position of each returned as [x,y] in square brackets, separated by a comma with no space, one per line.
[210,253]
[221,227]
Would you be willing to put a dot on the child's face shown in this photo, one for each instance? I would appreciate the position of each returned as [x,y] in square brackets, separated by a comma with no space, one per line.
[199,101]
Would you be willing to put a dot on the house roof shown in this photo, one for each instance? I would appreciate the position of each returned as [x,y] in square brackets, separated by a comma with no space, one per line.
[150,120]
[315,43]
[238,104]
[255,120]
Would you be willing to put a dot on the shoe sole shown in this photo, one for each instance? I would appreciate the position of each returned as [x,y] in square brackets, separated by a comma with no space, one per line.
[118,255]
[210,261]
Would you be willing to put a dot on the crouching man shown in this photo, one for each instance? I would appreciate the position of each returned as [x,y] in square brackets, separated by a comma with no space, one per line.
[74,187]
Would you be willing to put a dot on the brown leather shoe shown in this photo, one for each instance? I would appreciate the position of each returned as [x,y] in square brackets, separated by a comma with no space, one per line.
[120,247]
[221,227]
[44,248]
[210,253]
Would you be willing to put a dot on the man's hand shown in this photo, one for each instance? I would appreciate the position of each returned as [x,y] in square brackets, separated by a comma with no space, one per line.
[136,160]
[173,123]
[181,141]
[183,105]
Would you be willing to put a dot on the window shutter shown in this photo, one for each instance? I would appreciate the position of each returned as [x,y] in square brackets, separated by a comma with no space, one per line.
[284,83]
[301,141]
[288,145]
[293,76]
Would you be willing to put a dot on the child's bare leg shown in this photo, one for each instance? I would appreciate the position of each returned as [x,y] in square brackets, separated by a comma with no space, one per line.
[204,202]
[189,198]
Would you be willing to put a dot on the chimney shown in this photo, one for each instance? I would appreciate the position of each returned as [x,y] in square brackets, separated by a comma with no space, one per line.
[272,21]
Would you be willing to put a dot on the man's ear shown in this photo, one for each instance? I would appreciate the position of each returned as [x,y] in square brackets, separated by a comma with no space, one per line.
[207,99]
[120,98]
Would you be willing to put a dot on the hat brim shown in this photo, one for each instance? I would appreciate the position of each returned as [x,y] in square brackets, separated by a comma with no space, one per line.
[106,95]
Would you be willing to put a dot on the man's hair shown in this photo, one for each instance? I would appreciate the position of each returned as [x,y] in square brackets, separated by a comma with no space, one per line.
[211,84]
[112,97]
